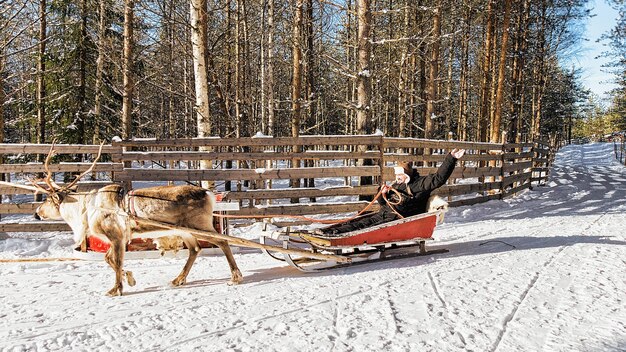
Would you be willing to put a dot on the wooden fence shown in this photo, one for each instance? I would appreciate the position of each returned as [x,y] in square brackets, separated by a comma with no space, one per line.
[280,176]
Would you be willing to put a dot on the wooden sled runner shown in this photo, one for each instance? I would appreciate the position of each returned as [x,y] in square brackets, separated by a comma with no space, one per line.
[393,240]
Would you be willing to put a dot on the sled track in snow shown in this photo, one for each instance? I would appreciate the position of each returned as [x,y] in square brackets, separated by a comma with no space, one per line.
[436,290]
[531,285]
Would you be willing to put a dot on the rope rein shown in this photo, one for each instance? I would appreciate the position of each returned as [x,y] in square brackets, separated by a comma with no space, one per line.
[129,206]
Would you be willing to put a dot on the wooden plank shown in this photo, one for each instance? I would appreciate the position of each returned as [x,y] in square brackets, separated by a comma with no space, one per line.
[471,172]
[301,193]
[472,201]
[507,181]
[398,157]
[335,140]
[459,172]
[63,167]
[463,189]
[22,208]
[197,155]
[35,226]
[517,166]
[244,174]
[306,209]
[517,189]
[82,187]
[511,156]
[518,145]
[437,144]
[10,148]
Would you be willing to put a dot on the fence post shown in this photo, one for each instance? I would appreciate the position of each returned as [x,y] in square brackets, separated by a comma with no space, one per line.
[532,163]
[502,160]
[381,160]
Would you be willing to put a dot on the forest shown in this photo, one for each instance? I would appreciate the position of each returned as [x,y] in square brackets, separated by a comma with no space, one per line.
[471,70]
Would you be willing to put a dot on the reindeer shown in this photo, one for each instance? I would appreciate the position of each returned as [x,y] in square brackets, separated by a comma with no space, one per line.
[109,214]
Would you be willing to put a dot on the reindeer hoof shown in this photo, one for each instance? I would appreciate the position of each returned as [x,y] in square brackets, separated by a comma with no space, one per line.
[130,278]
[114,292]
[179,281]
[236,278]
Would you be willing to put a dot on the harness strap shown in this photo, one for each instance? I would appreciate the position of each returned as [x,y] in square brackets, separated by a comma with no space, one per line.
[130,203]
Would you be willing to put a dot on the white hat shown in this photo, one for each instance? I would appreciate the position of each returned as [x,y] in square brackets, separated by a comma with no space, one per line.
[399,170]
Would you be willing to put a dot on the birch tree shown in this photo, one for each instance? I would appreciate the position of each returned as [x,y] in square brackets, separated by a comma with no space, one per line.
[364,73]
[128,85]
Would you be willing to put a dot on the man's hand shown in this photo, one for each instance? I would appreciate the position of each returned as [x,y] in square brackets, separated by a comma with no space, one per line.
[457,153]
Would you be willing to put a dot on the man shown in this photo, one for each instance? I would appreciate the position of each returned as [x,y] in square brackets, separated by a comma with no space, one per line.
[409,196]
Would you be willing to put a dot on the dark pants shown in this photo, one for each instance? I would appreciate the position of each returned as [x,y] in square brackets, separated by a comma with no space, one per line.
[383,216]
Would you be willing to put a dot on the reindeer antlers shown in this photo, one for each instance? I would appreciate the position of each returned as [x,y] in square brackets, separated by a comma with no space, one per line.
[53,186]
[35,189]
[48,179]
[93,165]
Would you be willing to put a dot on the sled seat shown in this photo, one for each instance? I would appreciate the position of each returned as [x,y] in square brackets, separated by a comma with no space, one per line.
[417,227]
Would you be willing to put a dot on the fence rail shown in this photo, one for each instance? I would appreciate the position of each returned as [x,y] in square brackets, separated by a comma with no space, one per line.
[275,176]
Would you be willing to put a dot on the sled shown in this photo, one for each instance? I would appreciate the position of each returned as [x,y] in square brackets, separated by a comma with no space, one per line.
[146,248]
[397,239]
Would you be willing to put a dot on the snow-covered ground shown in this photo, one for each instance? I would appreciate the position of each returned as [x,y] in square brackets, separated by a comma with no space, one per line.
[545,271]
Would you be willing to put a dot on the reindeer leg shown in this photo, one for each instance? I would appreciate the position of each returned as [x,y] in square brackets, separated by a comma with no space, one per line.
[194,249]
[236,277]
[130,278]
[115,257]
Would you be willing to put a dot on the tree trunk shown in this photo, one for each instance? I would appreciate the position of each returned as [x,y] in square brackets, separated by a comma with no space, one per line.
[311,90]
[169,32]
[41,72]
[296,84]
[539,78]
[270,69]
[464,79]
[263,66]
[82,76]
[2,101]
[364,75]
[127,99]
[431,85]
[405,74]
[199,49]
[485,85]
[349,61]
[97,118]
[495,127]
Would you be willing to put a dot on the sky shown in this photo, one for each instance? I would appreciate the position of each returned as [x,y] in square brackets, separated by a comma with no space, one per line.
[593,78]
[542,271]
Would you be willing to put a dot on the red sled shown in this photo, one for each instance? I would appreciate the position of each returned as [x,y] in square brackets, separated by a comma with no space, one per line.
[392,240]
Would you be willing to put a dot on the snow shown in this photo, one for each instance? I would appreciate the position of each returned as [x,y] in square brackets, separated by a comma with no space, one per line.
[544,271]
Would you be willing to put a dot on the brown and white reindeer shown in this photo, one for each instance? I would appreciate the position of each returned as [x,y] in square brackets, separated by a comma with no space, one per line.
[109,214]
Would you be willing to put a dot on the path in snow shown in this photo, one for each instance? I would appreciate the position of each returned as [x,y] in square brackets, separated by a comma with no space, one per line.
[544,271]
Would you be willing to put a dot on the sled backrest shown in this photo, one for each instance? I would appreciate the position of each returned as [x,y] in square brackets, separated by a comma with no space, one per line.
[436,203]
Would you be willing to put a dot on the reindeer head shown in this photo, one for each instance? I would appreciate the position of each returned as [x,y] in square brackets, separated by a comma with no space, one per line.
[50,209]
